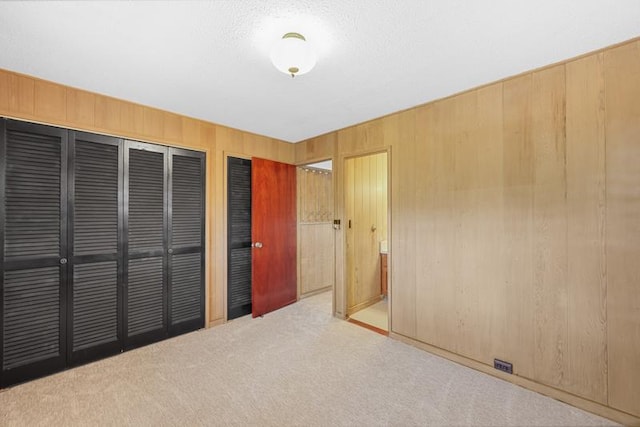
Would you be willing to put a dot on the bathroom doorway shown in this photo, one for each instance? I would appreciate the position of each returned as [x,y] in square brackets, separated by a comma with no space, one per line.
[366,226]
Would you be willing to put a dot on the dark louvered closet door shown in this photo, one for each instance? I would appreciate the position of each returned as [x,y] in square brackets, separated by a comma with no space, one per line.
[239,237]
[94,281]
[33,250]
[146,223]
[186,241]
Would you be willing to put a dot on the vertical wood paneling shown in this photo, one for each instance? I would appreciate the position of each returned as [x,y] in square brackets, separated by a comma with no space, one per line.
[321,147]
[586,200]
[358,216]
[172,127]
[22,98]
[218,296]
[518,181]
[316,257]
[487,331]
[349,208]
[315,230]
[214,290]
[382,205]
[549,226]
[488,126]
[444,162]
[622,80]
[315,195]
[80,107]
[50,100]
[400,129]
[107,115]
[425,265]
[5,90]
[464,145]
[132,119]
[191,130]
[152,120]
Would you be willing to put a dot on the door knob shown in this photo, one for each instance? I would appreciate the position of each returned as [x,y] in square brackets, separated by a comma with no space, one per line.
[63,261]
[170,251]
[258,245]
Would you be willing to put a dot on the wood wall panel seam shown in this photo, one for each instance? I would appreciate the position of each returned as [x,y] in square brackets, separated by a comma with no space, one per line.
[622,109]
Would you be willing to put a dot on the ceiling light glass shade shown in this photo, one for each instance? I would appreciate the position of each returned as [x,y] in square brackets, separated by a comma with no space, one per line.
[293,55]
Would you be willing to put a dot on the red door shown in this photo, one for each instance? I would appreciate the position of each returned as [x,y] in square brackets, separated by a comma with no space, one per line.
[273,231]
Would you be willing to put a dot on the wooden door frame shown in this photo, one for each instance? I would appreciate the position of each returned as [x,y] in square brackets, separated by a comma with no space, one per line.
[340,285]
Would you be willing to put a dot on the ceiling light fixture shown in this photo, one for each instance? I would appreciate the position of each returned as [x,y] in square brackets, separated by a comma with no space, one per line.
[293,55]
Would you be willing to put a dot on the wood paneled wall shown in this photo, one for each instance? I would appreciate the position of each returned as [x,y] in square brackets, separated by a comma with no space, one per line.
[366,226]
[315,231]
[315,195]
[515,225]
[31,99]
[316,149]
[622,230]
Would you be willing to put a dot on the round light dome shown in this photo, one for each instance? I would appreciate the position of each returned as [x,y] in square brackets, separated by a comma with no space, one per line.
[292,55]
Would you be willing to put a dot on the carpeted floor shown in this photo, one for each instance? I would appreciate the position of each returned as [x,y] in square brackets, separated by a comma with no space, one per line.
[297,366]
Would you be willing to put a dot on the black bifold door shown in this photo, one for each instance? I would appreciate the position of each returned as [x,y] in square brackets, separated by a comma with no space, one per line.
[164,199]
[101,246]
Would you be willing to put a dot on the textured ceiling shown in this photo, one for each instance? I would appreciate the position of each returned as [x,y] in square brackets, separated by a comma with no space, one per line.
[210,59]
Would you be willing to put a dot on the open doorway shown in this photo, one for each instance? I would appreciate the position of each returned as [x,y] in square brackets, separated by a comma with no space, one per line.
[316,236]
[366,226]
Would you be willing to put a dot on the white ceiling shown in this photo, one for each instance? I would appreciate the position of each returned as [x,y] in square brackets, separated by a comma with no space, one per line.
[210,59]
[326,165]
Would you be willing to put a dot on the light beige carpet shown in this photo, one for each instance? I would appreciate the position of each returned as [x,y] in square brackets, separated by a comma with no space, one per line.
[297,366]
[375,315]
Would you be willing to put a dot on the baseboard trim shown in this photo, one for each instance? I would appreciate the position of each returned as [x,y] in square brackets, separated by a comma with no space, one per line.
[563,396]
[363,305]
[315,292]
[214,323]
